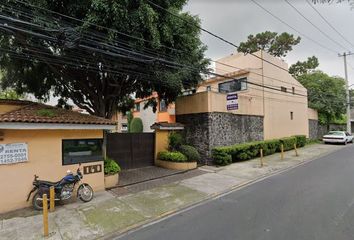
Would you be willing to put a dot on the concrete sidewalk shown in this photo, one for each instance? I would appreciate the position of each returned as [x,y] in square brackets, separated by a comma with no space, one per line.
[108,214]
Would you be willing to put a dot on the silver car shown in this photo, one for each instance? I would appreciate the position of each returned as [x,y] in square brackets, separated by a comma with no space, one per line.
[338,137]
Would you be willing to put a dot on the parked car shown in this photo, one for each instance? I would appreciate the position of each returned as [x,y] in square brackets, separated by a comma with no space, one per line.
[338,137]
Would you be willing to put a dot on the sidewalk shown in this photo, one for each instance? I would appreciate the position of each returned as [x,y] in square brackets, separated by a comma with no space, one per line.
[111,214]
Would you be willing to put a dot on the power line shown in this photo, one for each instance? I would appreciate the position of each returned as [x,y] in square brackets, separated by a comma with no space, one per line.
[213,34]
[291,27]
[101,37]
[328,23]
[310,22]
[173,64]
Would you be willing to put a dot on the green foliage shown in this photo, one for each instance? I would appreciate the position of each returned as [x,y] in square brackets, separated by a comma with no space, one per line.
[129,119]
[172,156]
[288,143]
[326,94]
[175,140]
[95,74]
[9,94]
[111,166]
[136,125]
[245,151]
[305,67]
[46,113]
[221,158]
[300,140]
[275,44]
[190,152]
[81,148]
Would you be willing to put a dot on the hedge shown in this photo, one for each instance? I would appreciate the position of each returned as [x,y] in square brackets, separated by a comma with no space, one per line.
[245,151]
[300,140]
[172,156]
[136,125]
[190,152]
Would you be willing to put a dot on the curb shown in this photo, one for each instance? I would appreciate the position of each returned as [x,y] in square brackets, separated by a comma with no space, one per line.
[126,231]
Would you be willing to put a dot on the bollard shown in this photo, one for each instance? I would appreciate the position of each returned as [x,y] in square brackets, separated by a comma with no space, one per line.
[45,215]
[282,152]
[261,153]
[51,199]
[296,153]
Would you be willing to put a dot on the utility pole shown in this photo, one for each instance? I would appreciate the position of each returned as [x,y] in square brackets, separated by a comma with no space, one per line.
[344,55]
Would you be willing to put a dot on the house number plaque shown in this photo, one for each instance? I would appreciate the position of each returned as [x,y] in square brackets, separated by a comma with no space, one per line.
[93,169]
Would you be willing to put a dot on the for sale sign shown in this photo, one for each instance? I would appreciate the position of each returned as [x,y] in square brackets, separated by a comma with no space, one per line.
[13,153]
[232,101]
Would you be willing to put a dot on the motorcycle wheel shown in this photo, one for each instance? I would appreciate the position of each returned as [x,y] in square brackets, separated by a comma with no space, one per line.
[37,202]
[85,192]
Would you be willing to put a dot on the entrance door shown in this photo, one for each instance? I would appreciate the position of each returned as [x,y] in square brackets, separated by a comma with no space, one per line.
[131,150]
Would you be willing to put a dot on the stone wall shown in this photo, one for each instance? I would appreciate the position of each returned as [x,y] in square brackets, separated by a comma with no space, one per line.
[323,129]
[313,129]
[208,130]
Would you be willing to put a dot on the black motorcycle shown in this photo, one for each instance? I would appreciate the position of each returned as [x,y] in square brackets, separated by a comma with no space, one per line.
[63,189]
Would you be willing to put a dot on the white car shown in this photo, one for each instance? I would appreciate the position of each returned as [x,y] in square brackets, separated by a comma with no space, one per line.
[338,137]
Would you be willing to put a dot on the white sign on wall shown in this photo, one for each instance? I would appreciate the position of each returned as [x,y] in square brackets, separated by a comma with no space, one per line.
[232,101]
[13,153]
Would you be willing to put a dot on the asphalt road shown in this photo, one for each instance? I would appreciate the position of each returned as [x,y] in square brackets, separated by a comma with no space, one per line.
[312,201]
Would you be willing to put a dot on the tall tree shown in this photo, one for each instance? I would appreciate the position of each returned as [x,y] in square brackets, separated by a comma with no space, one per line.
[120,48]
[305,67]
[326,94]
[275,44]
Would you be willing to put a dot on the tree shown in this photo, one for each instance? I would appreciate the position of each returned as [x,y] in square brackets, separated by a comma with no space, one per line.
[271,42]
[325,94]
[136,125]
[120,48]
[305,67]
[9,94]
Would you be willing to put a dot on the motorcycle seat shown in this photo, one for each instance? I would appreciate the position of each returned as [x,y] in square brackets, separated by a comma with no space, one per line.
[48,183]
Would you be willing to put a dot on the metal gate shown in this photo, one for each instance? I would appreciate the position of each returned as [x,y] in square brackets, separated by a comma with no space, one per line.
[131,150]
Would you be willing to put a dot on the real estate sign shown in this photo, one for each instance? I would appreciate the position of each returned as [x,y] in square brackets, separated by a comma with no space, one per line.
[232,101]
[13,153]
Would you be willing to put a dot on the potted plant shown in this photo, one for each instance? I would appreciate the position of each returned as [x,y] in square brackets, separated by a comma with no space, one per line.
[111,170]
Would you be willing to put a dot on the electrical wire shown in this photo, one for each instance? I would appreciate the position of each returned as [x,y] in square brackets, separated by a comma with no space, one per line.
[312,24]
[293,28]
[328,23]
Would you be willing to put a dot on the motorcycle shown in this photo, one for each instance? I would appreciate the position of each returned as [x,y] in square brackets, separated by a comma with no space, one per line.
[63,189]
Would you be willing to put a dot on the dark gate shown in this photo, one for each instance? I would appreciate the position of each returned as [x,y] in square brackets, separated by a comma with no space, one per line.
[131,150]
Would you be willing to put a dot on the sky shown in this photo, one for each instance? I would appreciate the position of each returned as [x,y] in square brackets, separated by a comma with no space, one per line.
[236,19]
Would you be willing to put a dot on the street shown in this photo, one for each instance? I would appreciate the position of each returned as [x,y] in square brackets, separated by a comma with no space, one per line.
[312,201]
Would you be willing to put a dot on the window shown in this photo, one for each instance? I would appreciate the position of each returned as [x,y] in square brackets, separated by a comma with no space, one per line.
[137,107]
[233,86]
[293,90]
[81,150]
[208,88]
[291,115]
[283,89]
[163,106]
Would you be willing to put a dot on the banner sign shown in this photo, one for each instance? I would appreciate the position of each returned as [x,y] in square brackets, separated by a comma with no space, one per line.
[13,153]
[232,101]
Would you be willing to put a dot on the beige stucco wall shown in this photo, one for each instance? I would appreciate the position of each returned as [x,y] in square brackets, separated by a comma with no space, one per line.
[274,105]
[44,159]
[312,114]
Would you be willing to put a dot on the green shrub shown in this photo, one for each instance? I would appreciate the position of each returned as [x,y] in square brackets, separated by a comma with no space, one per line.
[45,112]
[175,141]
[221,158]
[300,140]
[172,156]
[270,147]
[81,148]
[110,166]
[288,143]
[190,152]
[136,125]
